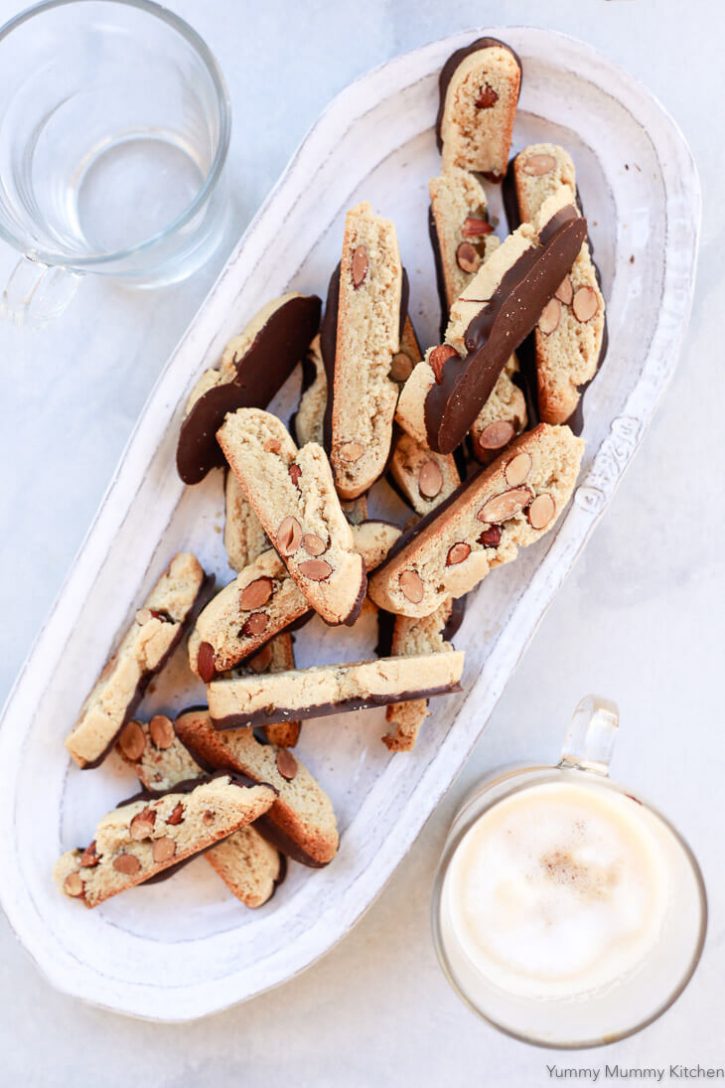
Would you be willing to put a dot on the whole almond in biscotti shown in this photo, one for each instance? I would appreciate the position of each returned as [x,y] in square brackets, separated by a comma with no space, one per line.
[570,338]
[139,840]
[503,416]
[479,90]
[367,338]
[482,525]
[308,422]
[292,493]
[332,689]
[429,634]
[143,651]
[254,366]
[497,310]
[223,636]
[301,822]
[249,866]
[244,537]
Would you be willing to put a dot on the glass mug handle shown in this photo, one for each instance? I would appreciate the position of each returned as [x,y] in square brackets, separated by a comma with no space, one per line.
[37,292]
[589,741]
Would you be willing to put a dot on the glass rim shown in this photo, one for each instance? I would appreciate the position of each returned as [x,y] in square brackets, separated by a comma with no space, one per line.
[197,43]
[452,844]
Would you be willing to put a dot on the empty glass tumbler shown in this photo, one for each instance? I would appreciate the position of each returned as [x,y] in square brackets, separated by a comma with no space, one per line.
[114,129]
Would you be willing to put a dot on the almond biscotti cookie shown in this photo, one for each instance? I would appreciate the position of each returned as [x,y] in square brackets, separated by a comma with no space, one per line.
[367,337]
[301,822]
[308,422]
[139,840]
[262,601]
[497,310]
[503,508]
[254,366]
[424,635]
[332,689]
[293,494]
[570,335]
[249,865]
[244,537]
[278,655]
[155,632]
[479,90]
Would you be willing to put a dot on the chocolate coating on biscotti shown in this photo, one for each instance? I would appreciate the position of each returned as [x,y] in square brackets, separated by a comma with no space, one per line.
[261,371]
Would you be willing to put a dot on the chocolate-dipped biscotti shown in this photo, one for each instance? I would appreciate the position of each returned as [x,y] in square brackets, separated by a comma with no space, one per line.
[254,366]
[478,90]
[482,525]
[148,643]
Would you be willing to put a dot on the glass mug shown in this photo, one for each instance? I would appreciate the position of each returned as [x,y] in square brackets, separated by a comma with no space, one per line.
[114,130]
[566,911]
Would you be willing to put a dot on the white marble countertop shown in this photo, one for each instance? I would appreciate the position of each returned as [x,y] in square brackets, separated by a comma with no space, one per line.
[641,618]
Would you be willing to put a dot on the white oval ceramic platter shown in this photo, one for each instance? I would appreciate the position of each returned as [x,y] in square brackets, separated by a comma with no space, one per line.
[186,948]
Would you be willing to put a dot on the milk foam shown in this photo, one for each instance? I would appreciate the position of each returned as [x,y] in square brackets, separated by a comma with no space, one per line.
[558,890]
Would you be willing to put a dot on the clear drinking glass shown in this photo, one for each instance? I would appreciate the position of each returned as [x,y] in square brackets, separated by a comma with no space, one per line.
[564,1017]
[114,129]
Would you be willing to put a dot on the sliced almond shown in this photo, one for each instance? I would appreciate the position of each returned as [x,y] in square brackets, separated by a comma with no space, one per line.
[430,479]
[142,825]
[289,536]
[128,864]
[458,553]
[411,585]
[163,850]
[317,570]
[177,815]
[286,764]
[351,451]
[313,544]
[550,317]
[205,664]
[161,731]
[585,304]
[467,258]
[132,742]
[359,265]
[541,511]
[256,594]
[505,506]
[89,857]
[475,227]
[565,291]
[496,435]
[73,885]
[537,165]
[439,357]
[517,469]
[491,537]
[256,624]
[401,367]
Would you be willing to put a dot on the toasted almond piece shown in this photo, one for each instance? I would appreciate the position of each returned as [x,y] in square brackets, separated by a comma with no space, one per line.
[286,764]
[475,227]
[208,817]
[161,731]
[261,661]
[487,97]
[458,553]
[272,445]
[505,506]
[289,536]
[412,586]
[517,469]
[128,864]
[541,511]
[177,815]
[205,664]
[467,258]
[430,479]
[73,885]
[585,304]
[317,570]
[132,742]
[256,624]
[359,265]
[295,473]
[565,291]
[496,435]
[401,367]
[537,165]
[313,544]
[89,857]
[351,451]
[438,359]
[550,317]
[491,537]
[142,825]
[163,849]
[256,594]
